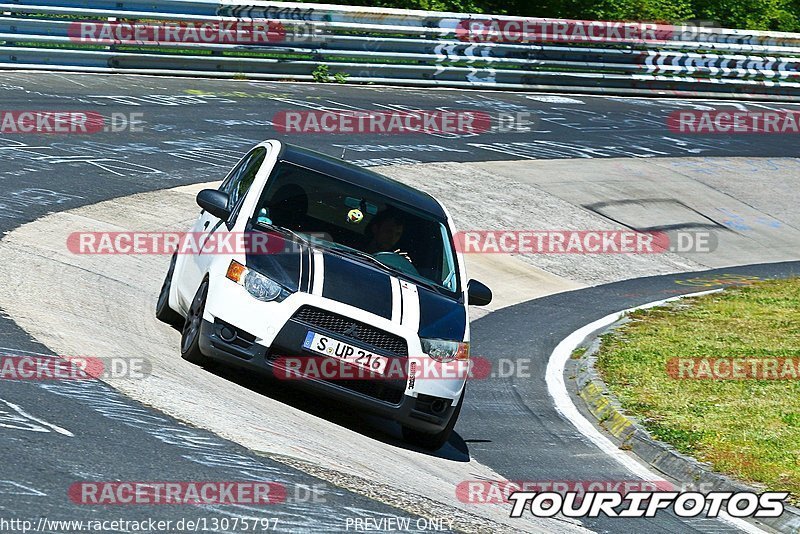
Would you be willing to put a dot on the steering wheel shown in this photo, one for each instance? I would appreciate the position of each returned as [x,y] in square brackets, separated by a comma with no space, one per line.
[396,261]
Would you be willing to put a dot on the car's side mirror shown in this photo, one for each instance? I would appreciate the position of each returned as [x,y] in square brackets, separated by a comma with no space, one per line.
[214,202]
[479,294]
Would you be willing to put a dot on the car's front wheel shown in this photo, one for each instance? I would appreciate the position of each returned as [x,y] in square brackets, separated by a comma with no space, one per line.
[434,442]
[190,339]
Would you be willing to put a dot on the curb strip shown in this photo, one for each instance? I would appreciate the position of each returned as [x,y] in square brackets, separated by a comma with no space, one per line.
[629,435]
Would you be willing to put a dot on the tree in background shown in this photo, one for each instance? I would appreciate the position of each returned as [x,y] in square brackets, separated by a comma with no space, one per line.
[780,15]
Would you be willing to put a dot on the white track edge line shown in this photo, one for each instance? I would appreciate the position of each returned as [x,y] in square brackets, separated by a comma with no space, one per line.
[564,405]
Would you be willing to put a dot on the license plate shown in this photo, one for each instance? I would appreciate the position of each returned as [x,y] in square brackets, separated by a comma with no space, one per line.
[345,352]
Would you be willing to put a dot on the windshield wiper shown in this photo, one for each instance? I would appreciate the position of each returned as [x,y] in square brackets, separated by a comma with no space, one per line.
[349,251]
[357,253]
[285,231]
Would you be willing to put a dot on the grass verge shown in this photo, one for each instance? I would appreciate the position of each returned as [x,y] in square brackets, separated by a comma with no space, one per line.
[748,428]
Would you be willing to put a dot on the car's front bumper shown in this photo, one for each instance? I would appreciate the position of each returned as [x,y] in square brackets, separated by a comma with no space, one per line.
[386,398]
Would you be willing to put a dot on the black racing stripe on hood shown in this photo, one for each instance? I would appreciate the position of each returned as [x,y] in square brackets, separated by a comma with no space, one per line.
[441,317]
[353,283]
[283,266]
[306,269]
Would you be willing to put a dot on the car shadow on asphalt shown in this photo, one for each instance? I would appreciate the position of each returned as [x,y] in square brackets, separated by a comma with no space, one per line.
[374,427]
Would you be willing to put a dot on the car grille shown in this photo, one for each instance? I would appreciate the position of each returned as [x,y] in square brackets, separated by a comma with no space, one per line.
[353,330]
[376,390]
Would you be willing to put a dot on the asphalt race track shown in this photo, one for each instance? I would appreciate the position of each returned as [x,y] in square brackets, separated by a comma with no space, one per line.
[193,131]
[541,446]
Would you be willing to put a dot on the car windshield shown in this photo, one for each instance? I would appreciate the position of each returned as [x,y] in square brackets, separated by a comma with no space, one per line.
[336,214]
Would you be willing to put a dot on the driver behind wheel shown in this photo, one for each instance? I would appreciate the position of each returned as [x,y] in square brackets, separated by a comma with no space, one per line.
[384,232]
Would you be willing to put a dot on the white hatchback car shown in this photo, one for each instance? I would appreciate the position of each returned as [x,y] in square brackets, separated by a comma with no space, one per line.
[366,280]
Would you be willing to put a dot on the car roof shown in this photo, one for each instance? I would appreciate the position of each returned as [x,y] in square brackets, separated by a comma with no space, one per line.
[361,177]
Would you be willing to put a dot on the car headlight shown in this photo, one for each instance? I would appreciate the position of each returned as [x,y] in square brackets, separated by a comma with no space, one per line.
[445,351]
[259,286]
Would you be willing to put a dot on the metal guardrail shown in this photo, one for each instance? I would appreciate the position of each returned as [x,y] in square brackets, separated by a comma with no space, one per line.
[396,46]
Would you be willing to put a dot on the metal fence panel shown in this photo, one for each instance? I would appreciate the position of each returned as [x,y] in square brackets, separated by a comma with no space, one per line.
[285,40]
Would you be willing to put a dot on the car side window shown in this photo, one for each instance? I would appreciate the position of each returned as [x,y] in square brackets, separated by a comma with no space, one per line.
[238,182]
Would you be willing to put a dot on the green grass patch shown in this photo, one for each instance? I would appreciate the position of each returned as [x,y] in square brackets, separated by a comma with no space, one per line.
[747,428]
[578,353]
